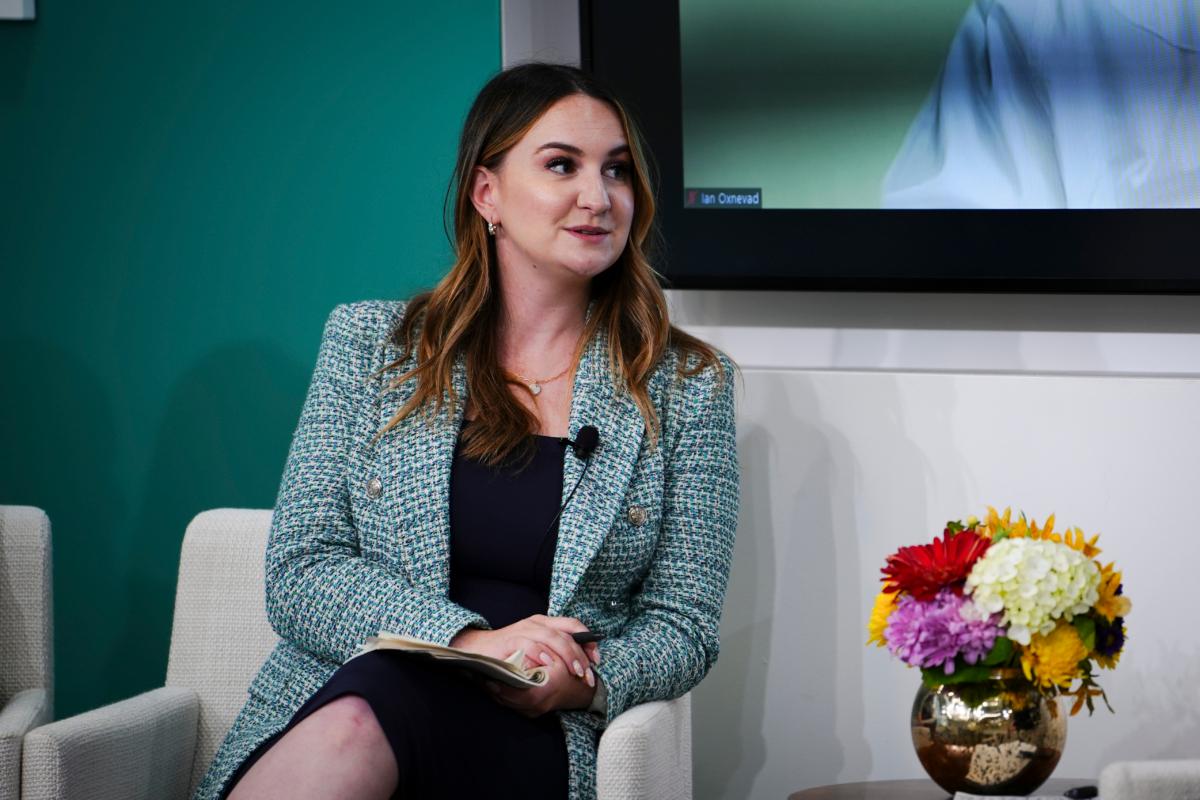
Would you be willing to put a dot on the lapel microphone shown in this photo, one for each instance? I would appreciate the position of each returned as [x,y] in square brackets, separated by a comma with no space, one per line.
[585,442]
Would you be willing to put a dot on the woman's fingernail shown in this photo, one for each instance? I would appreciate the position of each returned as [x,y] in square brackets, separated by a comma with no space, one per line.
[578,669]
[544,658]
[591,679]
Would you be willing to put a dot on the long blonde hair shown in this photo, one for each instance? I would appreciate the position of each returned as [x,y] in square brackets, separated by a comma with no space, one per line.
[460,315]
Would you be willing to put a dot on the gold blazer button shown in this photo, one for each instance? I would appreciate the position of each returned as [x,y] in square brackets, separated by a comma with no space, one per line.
[636,515]
[374,487]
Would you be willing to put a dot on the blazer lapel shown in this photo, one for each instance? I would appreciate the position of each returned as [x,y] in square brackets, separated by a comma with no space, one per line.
[589,515]
[414,460]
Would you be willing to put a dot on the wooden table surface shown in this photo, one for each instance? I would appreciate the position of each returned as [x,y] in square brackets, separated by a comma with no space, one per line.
[919,789]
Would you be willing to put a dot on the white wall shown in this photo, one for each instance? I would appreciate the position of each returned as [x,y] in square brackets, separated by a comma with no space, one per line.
[867,421]
[855,440]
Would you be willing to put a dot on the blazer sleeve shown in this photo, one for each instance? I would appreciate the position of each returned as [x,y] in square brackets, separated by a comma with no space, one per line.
[671,640]
[321,593]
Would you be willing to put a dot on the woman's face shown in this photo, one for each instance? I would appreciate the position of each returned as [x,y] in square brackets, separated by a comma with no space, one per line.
[563,194]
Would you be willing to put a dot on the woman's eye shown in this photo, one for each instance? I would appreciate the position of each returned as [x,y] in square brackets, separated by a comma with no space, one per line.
[618,170]
[560,165]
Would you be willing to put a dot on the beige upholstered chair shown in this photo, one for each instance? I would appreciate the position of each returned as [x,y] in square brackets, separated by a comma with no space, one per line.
[26,635]
[157,745]
[1151,780]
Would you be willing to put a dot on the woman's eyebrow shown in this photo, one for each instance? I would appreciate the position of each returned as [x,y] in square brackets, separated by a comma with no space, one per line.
[573,150]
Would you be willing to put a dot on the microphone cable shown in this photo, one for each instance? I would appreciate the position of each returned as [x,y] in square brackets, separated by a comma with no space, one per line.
[586,440]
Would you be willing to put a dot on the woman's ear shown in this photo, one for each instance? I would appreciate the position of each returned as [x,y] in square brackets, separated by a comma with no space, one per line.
[484,194]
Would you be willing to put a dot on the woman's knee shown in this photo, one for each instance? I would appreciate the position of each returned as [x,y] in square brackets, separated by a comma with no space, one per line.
[340,747]
[348,724]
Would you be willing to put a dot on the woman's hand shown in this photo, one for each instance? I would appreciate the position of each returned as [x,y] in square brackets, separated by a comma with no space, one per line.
[561,690]
[545,641]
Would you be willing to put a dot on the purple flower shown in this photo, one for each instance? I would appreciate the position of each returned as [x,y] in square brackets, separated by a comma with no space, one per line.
[1110,636]
[933,633]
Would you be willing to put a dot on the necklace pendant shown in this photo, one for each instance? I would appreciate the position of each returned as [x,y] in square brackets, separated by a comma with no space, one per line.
[535,389]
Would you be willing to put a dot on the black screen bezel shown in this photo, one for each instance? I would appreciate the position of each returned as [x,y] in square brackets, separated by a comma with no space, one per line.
[634,47]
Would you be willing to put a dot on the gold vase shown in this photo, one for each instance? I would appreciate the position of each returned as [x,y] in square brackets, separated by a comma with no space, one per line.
[999,736]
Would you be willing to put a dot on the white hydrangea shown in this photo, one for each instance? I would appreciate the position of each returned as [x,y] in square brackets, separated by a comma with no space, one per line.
[1033,582]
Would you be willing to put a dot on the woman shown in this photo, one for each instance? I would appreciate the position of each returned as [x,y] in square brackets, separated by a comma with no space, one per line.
[423,488]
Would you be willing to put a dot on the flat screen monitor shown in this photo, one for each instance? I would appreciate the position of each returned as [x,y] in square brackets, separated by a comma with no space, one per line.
[929,145]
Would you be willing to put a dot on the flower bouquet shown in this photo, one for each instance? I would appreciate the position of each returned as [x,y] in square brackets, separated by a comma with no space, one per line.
[1004,594]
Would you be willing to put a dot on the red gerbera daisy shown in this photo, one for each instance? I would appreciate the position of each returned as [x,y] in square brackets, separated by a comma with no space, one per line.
[926,569]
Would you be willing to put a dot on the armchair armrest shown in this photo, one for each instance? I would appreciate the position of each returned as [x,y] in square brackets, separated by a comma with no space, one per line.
[25,711]
[1161,780]
[646,752]
[138,748]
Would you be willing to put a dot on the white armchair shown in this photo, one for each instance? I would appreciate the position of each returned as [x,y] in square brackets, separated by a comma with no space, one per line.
[157,745]
[26,636]
[1151,780]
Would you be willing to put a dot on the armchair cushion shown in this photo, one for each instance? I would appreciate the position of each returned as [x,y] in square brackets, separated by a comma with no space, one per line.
[1160,780]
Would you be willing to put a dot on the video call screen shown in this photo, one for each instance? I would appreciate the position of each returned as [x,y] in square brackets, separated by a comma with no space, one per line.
[940,104]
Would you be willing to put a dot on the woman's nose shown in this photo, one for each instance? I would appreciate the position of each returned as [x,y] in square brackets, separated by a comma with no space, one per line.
[593,195]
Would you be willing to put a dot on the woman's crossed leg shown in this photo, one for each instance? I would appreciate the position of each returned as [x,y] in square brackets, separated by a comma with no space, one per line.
[338,751]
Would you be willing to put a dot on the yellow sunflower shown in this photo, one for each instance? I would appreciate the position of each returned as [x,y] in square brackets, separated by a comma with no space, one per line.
[1076,539]
[1108,662]
[1022,528]
[1014,529]
[885,604]
[1111,605]
[1053,659]
[996,522]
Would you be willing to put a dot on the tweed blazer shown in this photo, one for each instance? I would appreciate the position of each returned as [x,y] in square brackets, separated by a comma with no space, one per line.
[344,562]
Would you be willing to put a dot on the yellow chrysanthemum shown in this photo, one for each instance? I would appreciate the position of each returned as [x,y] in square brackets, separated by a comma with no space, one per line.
[1053,659]
[1111,605]
[885,604]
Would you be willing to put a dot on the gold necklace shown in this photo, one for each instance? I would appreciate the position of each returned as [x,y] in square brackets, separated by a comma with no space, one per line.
[534,385]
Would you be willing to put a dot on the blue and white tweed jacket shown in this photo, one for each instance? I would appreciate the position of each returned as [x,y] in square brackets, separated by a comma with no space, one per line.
[343,564]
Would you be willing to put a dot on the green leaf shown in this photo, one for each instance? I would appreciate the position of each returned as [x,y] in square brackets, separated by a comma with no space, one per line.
[1000,653]
[963,673]
[1086,628]
[1001,533]
[932,678]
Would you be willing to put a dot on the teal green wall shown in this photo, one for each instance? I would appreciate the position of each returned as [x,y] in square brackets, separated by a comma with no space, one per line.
[186,190]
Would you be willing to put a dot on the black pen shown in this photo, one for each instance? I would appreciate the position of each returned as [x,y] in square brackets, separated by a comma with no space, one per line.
[587,637]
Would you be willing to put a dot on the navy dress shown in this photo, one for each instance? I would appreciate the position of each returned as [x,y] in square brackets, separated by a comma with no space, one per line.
[450,738]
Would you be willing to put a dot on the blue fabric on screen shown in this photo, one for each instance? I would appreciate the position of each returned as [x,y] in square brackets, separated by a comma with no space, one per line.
[1060,104]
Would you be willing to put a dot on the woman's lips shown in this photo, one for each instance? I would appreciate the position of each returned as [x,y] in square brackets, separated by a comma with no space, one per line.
[592,235]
